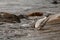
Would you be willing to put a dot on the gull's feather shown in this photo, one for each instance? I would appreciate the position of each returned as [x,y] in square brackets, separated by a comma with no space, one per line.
[41,22]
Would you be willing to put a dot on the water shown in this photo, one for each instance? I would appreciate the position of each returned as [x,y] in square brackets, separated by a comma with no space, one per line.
[15,31]
[27,5]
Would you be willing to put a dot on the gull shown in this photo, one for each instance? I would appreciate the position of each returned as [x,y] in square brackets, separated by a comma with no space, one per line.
[41,22]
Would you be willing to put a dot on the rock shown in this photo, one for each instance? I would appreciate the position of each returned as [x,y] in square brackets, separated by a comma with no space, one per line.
[23,16]
[55,2]
[35,14]
[7,17]
[54,19]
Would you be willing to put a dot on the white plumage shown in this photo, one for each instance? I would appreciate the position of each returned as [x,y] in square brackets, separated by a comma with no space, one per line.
[39,22]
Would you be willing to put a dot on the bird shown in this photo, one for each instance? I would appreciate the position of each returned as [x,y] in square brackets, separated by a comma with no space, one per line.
[41,22]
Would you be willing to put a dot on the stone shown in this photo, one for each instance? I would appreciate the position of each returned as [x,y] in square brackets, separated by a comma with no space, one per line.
[55,2]
[54,19]
[23,16]
[35,14]
[7,17]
